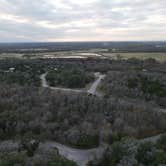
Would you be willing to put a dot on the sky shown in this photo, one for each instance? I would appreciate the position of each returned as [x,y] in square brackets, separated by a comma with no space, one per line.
[82,20]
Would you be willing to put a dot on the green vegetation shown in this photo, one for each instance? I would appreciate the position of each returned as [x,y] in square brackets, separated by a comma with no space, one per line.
[60,161]
[132,152]
[87,141]
[118,151]
[162,143]
[12,159]
[148,155]
[23,114]
[142,153]
[112,156]
[22,73]
[70,78]
[148,85]
[20,158]
[21,78]
[29,146]
[36,113]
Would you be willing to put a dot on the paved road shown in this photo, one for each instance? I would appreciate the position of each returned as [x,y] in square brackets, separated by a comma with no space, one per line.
[43,80]
[92,90]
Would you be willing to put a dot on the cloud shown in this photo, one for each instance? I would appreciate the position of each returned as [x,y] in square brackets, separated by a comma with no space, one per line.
[76,20]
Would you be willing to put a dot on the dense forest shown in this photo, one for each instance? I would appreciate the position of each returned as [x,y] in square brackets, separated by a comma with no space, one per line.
[69,78]
[131,152]
[144,85]
[134,95]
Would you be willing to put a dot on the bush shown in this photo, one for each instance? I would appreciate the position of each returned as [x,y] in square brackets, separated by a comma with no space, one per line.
[148,85]
[118,152]
[111,156]
[162,143]
[145,153]
[149,156]
[159,159]
[60,161]
[115,138]
[12,159]
[87,141]
[29,146]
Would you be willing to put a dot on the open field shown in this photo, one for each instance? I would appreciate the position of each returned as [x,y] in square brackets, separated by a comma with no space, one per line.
[142,55]
[10,55]
[93,53]
[52,55]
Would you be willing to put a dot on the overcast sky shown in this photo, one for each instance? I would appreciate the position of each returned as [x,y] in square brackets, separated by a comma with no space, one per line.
[82,20]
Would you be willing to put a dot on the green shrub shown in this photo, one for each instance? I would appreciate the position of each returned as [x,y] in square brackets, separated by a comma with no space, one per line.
[132,83]
[118,152]
[159,159]
[12,159]
[60,161]
[115,138]
[87,141]
[112,156]
[148,85]
[29,146]
[161,143]
[145,154]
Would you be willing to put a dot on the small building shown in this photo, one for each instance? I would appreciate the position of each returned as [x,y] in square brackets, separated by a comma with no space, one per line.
[11,69]
[144,70]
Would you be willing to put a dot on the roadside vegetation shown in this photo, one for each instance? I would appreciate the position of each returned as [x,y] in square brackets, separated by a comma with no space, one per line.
[20,158]
[131,152]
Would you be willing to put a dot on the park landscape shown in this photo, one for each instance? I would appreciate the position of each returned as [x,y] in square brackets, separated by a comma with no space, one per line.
[82,83]
[84,107]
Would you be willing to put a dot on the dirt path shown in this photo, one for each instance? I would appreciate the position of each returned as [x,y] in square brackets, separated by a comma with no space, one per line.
[45,85]
[152,139]
[92,90]
[162,110]
[43,80]
[81,157]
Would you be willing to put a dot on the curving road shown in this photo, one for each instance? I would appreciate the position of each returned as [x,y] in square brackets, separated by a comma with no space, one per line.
[43,80]
[92,90]
[45,85]
[81,157]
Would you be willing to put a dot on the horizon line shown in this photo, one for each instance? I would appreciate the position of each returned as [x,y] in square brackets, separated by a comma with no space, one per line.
[24,42]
